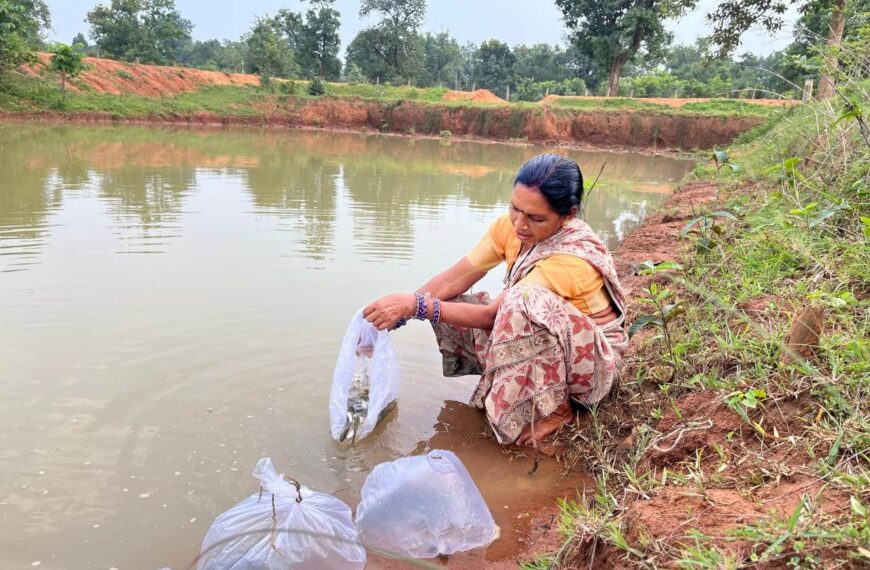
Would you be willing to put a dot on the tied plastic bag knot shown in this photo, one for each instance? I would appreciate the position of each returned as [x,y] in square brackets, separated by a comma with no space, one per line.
[424,506]
[279,485]
[297,529]
[365,383]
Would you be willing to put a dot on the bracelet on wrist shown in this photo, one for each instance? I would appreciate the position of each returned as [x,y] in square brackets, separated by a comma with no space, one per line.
[422,309]
[436,311]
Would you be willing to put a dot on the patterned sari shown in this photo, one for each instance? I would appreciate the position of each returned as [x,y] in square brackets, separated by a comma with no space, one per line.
[541,349]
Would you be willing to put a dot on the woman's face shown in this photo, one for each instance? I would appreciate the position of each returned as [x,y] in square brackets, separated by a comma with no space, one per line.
[532,217]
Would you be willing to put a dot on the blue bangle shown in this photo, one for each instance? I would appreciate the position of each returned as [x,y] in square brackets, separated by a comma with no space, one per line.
[436,310]
[422,309]
[400,323]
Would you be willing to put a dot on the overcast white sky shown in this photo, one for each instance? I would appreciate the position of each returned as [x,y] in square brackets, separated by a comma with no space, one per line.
[512,21]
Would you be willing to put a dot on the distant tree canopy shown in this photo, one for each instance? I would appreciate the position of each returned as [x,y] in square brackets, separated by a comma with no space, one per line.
[614,44]
[269,52]
[442,60]
[289,45]
[610,32]
[21,26]
[392,49]
[147,31]
[318,41]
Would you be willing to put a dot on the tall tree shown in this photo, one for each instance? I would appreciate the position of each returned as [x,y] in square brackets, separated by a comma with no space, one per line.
[393,45]
[21,25]
[268,50]
[495,66]
[612,31]
[319,42]
[733,17]
[540,62]
[442,60]
[149,31]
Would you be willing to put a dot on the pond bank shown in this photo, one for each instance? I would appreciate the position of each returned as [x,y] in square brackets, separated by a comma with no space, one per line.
[626,129]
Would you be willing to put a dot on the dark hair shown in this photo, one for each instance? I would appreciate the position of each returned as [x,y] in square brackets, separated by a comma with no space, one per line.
[557,177]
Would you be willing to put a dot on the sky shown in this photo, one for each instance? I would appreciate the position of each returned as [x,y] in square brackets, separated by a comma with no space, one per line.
[512,21]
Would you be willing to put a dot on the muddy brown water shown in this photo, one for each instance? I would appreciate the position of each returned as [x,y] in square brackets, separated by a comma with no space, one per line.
[172,301]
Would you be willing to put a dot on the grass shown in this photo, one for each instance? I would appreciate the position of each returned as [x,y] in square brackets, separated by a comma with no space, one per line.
[801,199]
[713,107]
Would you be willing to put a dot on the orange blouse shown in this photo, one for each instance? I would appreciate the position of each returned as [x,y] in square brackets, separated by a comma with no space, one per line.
[568,276]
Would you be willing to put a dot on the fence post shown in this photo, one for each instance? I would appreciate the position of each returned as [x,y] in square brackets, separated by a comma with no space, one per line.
[808,91]
[507,93]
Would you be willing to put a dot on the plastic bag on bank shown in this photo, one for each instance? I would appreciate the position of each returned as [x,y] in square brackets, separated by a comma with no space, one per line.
[424,506]
[365,383]
[262,533]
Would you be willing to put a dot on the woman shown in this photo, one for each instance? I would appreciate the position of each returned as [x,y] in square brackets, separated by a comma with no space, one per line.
[555,334]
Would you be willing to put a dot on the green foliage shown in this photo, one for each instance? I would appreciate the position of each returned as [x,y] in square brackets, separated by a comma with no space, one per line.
[442,60]
[316,41]
[268,51]
[662,316]
[67,62]
[610,32]
[146,31]
[21,22]
[316,87]
[494,66]
[392,49]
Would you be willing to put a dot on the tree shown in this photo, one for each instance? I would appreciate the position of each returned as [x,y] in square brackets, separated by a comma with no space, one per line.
[318,45]
[538,63]
[68,62]
[268,51]
[21,25]
[442,60]
[149,31]
[611,32]
[495,65]
[733,17]
[391,49]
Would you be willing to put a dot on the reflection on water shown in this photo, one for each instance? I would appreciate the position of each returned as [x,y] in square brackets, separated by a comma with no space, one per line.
[172,301]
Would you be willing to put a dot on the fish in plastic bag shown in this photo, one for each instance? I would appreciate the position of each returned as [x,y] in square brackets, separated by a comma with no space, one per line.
[284,526]
[365,384]
[424,506]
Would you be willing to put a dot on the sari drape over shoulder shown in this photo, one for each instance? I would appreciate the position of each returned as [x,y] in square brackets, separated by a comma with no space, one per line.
[541,349]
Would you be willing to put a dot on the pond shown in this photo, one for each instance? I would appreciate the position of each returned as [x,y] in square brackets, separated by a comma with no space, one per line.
[172,301]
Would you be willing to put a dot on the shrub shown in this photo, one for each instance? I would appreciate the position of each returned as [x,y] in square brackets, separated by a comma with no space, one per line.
[316,87]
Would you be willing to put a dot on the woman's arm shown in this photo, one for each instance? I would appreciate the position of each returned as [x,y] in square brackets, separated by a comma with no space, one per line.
[385,312]
[454,281]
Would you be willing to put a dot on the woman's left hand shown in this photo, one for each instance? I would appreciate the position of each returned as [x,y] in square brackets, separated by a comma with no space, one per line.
[385,312]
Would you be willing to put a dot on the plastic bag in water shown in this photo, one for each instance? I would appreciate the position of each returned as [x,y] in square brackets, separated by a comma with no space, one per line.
[273,530]
[424,506]
[365,383]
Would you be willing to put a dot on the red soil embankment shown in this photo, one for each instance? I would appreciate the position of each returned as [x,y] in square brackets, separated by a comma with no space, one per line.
[476,96]
[116,77]
[542,124]
[629,129]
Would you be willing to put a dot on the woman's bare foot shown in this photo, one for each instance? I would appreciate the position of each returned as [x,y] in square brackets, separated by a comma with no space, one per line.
[547,425]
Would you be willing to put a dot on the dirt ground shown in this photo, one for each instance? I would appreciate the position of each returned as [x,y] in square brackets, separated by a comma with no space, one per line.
[115,77]
[477,96]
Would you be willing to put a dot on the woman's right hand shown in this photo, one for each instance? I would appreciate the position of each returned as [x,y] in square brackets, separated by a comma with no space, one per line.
[385,312]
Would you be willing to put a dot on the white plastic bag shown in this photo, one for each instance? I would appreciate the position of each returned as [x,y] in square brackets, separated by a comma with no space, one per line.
[312,534]
[424,506]
[367,355]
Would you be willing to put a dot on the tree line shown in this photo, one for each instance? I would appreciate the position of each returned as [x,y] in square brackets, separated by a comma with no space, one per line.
[615,46]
